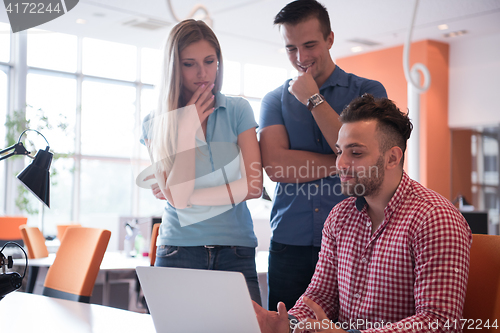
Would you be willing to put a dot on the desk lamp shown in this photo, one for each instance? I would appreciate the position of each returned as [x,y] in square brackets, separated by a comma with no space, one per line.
[12,280]
[35,177]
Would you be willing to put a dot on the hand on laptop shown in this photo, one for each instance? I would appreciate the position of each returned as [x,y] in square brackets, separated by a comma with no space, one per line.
[271,321]
[322,322]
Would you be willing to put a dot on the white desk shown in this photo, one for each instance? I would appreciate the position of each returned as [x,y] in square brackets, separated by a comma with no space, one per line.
[112,263]
[23,312]
[115,263]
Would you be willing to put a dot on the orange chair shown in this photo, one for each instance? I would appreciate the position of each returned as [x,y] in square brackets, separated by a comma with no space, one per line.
[61,228]
[74,271]
[482,301]
[35,243]
[152,249]
[9,228]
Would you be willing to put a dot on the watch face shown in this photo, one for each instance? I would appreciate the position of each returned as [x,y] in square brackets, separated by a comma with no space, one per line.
[315,99]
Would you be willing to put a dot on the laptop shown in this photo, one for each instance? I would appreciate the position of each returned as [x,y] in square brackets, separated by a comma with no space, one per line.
[184,300]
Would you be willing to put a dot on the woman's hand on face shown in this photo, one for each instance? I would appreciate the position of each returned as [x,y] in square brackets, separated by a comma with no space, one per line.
[202,99]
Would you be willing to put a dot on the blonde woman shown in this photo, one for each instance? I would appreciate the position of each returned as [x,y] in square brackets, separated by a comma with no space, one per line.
[207,160]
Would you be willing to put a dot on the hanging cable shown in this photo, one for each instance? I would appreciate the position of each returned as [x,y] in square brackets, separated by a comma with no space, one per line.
[195,9]
[418,66]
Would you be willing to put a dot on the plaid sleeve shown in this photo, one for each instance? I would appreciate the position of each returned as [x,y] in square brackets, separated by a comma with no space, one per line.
[323,288]
[441,248]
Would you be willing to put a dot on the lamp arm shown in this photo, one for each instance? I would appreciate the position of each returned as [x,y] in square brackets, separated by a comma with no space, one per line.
[18,149]
[7,149]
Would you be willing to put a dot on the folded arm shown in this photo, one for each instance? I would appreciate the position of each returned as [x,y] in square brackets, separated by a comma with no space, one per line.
[286,165]
[249,186]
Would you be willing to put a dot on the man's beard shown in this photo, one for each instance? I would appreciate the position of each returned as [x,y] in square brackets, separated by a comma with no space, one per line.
[368,184]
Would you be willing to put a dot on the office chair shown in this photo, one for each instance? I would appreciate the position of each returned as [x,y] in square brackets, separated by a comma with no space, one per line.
[9,229]
[35,243]
[152,249]
[74,271]
[482,301]
[61,228]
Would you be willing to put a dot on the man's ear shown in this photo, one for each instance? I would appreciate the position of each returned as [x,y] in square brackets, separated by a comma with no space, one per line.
[393,157]
[330,39]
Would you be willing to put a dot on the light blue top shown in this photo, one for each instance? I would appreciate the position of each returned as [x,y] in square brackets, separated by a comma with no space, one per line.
[217,163]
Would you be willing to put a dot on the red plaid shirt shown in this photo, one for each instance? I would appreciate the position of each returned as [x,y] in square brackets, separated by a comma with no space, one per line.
[410,275]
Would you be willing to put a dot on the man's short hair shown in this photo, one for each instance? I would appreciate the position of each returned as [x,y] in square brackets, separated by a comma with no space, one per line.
[393,125]
[301,10]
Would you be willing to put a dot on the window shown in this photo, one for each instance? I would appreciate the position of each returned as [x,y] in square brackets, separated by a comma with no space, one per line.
[110,60]
[52,50]
[53,96]
[4,92]
[51,100]
[231,83]
[255,86]
[4,42]
[107,119]
[101,206]
[149,102]
[150,65]
[3,112]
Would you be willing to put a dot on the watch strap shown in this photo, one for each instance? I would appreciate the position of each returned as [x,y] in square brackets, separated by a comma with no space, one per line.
[314,101]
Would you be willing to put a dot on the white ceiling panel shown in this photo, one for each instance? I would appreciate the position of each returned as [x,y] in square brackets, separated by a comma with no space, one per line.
[246,32]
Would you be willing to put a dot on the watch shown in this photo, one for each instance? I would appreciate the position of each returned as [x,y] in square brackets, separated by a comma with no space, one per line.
[314,101]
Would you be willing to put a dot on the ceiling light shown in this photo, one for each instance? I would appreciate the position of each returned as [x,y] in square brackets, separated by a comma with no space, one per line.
[147,23]
[356,49]
[81,21]
[455,33]
[443,27]
[363,41]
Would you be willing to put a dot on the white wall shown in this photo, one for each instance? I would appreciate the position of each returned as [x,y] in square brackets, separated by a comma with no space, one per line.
[474,81]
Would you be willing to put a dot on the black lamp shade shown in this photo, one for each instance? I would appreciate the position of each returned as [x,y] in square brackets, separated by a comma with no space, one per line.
[35,177]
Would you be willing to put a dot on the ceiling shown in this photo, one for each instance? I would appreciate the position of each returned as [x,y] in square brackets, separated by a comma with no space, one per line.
[246,32]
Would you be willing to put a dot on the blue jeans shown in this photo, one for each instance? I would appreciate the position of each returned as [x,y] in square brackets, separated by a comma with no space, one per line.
[220,258]
[290,271]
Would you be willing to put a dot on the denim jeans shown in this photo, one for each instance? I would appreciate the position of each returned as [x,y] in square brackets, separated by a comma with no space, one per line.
[220,258]
[290,271]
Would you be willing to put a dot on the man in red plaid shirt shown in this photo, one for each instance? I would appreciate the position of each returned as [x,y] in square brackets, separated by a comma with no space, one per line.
[395,255]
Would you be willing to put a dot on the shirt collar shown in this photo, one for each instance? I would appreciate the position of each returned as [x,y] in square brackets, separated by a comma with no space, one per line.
[360,203]
[399,195]
[396,199]
[338,78]
[220,101]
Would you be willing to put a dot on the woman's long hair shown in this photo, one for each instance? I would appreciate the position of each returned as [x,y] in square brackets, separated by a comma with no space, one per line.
[164,122]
